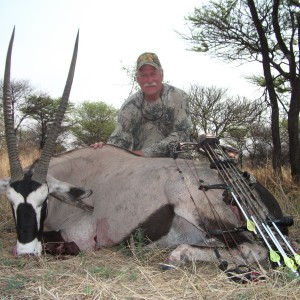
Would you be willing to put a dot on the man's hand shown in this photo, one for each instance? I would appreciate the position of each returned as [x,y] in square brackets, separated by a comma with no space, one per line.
[97,145]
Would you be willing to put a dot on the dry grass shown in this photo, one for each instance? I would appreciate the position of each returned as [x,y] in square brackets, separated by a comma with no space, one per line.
[27,158]
[113,274]
[285,191]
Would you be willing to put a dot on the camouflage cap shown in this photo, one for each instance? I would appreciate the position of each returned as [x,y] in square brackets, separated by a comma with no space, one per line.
[148,58]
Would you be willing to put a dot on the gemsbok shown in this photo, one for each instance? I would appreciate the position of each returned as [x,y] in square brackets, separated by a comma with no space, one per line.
[202,211]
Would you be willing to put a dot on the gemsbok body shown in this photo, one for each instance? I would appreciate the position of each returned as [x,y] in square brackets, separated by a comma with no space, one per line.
[158,196]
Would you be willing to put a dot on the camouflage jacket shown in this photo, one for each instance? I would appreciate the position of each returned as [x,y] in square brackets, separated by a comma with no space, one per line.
[152,126]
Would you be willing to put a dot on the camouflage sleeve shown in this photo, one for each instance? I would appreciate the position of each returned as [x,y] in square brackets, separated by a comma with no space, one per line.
[181,127]
[122,135]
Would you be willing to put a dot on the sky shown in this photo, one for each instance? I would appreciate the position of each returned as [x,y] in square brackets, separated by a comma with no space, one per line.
[112,35]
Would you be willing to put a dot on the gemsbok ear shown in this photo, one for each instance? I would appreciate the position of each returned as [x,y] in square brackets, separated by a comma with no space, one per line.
[4,182]
[71,192]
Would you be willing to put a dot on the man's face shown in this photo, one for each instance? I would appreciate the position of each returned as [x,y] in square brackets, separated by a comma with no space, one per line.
[150,80]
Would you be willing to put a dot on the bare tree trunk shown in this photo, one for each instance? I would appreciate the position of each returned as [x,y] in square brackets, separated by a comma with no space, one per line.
[293,130]
[276,158]
[293,120]
[293,113]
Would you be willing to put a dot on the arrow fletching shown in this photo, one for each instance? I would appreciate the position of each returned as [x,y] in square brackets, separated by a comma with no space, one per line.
[274,256]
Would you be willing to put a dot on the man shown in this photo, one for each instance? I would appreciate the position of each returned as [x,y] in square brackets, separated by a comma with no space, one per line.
[154,116]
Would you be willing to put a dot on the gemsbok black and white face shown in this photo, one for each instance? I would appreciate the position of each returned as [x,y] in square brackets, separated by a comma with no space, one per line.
[28,193]
[28,200]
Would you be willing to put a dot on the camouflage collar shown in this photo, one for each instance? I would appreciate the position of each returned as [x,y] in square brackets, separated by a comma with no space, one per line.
[154,115]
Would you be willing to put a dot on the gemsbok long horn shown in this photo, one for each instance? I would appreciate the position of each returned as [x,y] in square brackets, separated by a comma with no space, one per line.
[11,141]
[40,172]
